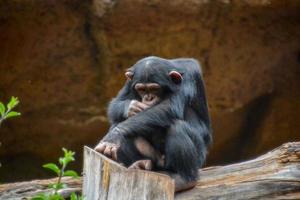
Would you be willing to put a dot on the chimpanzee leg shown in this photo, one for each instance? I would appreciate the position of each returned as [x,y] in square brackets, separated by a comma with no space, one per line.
[147,150]
[181,154]
[152,157]
[128,153]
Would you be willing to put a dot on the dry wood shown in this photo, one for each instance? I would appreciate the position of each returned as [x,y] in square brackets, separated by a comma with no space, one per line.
[27,189]
[275,175]
[107,180]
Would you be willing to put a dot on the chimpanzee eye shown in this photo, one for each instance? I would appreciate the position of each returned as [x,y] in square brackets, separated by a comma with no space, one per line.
[139,87]
[142,89]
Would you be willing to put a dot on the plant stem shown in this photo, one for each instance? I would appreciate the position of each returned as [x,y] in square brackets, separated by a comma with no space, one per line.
[59,178]
[4,115]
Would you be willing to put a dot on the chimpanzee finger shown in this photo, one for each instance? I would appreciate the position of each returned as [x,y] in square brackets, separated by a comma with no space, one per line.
[138,104]
[132,104]
[136,109]
[148,165]
[132,113]
[141,105]
[137,165]
[140,165]
[114,153]
[107,151]
[133,166]
[100,147]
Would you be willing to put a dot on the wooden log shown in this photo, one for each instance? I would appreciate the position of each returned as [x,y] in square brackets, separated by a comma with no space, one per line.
[275,175]
[28,189]
[105,179]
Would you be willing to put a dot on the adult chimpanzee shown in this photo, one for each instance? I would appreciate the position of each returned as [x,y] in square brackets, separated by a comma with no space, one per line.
[159,120]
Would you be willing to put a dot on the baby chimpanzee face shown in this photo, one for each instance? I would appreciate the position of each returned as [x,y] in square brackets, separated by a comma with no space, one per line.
[153,79]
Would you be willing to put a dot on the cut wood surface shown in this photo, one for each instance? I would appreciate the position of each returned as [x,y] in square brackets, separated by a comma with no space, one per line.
[107,180]
[275,175]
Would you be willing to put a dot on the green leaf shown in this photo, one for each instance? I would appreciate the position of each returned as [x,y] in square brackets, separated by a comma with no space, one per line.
[71,173]
[57,186]
[80,197]
[2,109]
[12,103]
[41,196]
[65,150]
[38,198]
[12,114]
[68,157]
[73,196]
[52,186]
[58,197]
[61,161]
[55,197]
[53,167]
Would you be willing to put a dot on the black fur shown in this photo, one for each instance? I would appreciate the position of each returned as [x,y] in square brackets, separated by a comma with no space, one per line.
[179,126]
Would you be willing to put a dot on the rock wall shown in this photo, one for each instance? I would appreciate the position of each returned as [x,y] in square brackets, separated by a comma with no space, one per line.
[65,60]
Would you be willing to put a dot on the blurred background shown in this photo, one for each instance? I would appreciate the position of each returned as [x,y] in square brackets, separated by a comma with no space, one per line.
[65,60]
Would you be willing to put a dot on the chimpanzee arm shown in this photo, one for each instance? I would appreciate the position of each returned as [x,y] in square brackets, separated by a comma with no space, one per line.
[118,107]
[147,122]
[152,120]
[117,110]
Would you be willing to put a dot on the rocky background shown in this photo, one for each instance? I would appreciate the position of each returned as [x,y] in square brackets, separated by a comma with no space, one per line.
[65,60]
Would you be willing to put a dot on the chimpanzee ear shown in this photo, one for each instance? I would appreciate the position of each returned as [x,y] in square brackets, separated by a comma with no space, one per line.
[129,75]
[175,76]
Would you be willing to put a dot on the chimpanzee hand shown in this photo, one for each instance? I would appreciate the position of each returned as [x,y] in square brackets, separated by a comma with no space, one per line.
[136,107]
[142,164]
[108,149]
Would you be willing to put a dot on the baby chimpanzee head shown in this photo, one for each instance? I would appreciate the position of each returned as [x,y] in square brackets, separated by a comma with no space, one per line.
[153,78]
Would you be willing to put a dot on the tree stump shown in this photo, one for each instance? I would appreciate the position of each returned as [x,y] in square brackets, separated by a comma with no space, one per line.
[105,179]
[275,175]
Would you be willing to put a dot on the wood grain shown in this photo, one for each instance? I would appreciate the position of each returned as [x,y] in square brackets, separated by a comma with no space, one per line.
[107,180]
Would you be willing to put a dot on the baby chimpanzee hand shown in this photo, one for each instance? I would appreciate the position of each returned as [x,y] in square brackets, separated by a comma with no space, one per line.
[136,107]
[108,149]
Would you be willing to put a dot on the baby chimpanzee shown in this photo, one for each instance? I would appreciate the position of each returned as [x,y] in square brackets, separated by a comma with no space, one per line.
[159,120]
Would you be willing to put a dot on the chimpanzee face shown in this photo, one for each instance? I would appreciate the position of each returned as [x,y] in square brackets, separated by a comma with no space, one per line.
[152,79]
